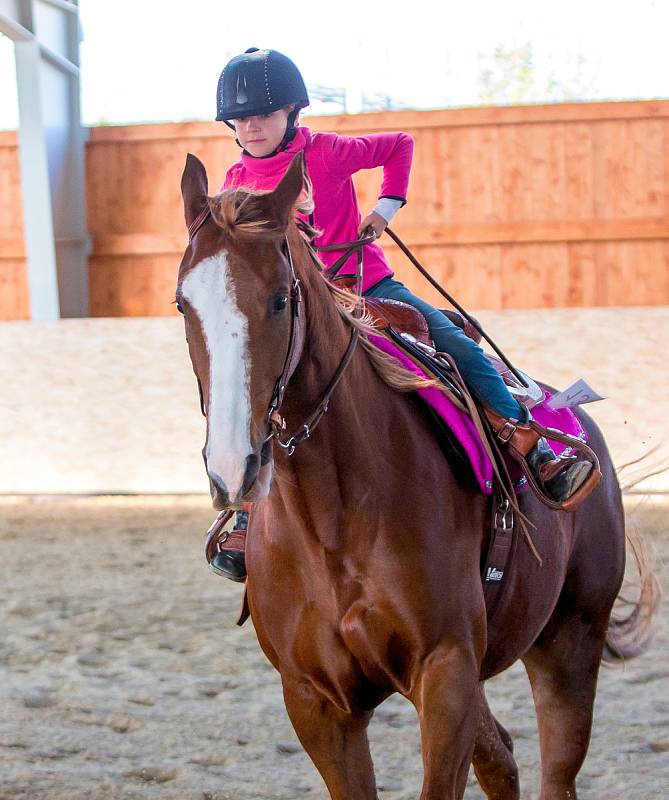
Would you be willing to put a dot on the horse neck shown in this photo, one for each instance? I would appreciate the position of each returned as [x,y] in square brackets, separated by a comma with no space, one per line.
[338,467]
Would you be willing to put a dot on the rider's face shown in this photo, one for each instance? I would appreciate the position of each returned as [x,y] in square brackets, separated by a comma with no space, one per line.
[262,134]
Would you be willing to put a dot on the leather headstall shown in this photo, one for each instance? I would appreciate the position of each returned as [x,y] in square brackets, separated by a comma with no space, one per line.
[295,345]
[275,421]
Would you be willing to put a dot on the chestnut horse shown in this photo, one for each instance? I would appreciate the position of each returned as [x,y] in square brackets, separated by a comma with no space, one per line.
[365,546]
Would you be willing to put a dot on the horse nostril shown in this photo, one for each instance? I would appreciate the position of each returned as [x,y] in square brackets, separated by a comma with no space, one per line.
[251,472]
[218,490]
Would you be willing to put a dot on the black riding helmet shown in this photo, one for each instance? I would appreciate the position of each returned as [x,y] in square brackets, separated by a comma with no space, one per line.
[259,82]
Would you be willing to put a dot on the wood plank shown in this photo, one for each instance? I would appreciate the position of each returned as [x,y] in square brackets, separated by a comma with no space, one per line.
[407,120]
[564,230]
[585,286]
[534,276]
[579,199]
[11,211]
[12,249]
[494,115]
[131,244]
[489,276]
[629,169]
[132,287]
[14,296]
[637,273]
[665,157]
[138,244]
[9,139]
[471,275]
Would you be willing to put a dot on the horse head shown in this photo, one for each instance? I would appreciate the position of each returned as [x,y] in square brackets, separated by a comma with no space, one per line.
[234,291]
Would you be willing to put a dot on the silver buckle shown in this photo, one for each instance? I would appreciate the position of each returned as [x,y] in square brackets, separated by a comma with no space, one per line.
[505,433]
[504,514]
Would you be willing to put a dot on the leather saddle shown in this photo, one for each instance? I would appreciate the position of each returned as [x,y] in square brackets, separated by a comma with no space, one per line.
[410,325]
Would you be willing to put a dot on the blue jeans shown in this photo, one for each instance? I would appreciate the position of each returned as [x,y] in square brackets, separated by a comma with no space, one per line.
[478,372]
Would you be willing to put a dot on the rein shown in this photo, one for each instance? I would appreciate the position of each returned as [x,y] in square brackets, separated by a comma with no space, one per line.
[357,245]
[350,247]
[275,420]
[416,263]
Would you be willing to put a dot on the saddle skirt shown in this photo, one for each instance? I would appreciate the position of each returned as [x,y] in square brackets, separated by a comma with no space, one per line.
[456,419]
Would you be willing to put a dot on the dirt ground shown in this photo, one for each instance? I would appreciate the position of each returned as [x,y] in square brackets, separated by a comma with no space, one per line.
[123,674]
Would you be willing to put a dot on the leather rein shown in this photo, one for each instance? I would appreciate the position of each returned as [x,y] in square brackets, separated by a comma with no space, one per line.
[275,421]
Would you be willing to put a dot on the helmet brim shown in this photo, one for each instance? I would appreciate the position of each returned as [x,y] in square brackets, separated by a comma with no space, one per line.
[257,112]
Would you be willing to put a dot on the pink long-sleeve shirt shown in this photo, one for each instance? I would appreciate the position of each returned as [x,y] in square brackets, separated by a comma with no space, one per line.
[331,161]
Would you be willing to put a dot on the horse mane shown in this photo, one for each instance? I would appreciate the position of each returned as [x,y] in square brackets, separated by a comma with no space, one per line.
[351,309]
[242,215]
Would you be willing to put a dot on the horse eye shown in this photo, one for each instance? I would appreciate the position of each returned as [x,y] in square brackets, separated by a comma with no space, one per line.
[280,303]
[180,308]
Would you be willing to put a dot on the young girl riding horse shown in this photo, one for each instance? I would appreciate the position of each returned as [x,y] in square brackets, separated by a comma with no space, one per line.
[260,95]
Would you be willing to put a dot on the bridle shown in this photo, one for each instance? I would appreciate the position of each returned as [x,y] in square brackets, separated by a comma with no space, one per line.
[275,421]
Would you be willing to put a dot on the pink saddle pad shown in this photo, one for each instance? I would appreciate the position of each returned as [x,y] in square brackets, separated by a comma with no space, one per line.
[563,419]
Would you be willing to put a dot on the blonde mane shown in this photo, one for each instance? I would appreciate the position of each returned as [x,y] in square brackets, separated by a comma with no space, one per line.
[352,310]
[242,212]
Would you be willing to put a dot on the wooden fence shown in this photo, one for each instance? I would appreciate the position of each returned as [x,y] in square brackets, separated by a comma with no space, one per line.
[516,207]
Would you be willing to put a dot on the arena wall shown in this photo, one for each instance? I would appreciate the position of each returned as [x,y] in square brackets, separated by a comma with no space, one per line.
[516,207]
[111,405]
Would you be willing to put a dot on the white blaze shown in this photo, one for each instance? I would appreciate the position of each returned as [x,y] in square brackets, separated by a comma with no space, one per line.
[209,290]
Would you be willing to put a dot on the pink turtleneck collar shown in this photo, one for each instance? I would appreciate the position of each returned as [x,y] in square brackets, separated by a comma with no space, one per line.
[277,163]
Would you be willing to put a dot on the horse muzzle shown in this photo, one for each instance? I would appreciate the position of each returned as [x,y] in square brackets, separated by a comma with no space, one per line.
[255,484]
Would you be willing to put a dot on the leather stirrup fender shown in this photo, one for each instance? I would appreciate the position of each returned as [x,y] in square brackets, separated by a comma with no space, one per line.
[244,611]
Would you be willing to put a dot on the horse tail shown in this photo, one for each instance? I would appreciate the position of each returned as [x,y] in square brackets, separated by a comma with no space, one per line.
[630,635]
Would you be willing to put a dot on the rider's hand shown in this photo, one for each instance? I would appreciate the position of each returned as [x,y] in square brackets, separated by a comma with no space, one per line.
[374,221]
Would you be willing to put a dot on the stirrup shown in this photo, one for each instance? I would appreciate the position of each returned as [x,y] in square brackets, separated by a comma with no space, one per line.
[521,438]
[225,549]
[215,533]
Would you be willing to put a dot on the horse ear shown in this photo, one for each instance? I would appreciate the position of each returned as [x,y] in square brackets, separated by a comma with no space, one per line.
[194,187]
[288,190]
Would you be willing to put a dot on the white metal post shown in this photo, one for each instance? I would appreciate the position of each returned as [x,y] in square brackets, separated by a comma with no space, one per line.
[51,143]
[35,190]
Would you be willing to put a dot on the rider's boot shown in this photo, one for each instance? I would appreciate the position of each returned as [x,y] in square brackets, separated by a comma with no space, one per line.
[559,476]
[562,476]
[229,561]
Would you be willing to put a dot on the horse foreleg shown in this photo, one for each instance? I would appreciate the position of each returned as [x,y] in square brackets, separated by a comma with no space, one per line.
[562,667]
[494,764]
[336,741]
[446,697]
